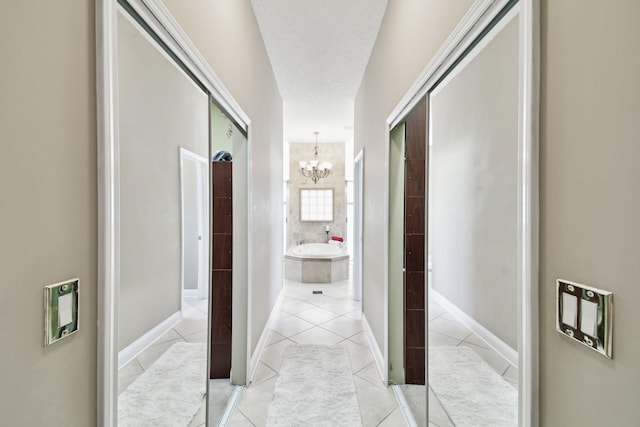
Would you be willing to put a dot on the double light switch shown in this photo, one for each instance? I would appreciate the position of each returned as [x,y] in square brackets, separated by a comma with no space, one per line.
[585,315]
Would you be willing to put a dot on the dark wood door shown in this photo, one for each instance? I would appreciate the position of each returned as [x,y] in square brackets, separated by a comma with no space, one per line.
[416,154]
[221,269]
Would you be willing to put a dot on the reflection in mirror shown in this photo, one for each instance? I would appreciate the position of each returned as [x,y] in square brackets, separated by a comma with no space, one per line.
[163,177]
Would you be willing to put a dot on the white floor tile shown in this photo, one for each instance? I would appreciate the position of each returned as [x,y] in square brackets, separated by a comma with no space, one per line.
[355,315]
[191,326]
[450,328]
[291,325]
[395,419]
[294,306]
[263,373]
[273,337]
[255,401]
[360,355]
[272,355]
[371,374]
[477,341]
[239,420]
[437,339]
[343,326]
[360,338]
[511,374]
[131,369]
[201,336]
[316,335]
[317,315]
[437,414]
[343,306]
[497,362]
[153,353]
[376,402]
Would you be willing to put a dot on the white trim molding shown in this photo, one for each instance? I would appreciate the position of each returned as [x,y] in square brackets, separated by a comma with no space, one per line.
[132,351]
[486,335]
[254,358]
[480,15]
[381,362]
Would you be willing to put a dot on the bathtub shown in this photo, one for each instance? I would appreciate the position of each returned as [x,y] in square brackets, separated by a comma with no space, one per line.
[316,263]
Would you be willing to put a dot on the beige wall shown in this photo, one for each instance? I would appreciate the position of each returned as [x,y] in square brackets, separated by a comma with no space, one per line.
[227,35]
[410,34]
[314,232]
[48,208]
[589,127]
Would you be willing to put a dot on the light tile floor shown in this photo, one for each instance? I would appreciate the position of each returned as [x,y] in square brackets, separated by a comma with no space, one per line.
[330,318]
[192,328]
[446,330]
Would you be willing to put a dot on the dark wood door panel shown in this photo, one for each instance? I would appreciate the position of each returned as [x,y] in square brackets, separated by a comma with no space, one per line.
[222,219]
[414,244]
[414,366]
[414,299]
[221,252]
[414,328]
[220,366]
[416,131]
[414,182]
[414,221]
[221,177]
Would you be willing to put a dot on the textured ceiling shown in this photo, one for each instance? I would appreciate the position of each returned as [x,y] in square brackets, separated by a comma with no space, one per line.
[318,51]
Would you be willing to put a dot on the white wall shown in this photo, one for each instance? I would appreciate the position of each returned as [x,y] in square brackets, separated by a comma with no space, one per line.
[48,208]
[473,176]
[227,35]
[159,112]
[392,68]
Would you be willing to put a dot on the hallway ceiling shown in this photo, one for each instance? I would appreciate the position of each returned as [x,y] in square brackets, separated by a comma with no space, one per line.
[318,50]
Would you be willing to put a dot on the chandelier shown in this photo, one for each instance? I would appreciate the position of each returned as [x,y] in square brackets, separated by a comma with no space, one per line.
[315,169]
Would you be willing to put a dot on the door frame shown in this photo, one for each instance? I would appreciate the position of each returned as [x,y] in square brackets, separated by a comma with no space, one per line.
[358,224]
[202,190]
[158,20]
[480,17]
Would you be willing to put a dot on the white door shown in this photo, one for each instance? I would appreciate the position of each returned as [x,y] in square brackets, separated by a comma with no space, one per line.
[194,190]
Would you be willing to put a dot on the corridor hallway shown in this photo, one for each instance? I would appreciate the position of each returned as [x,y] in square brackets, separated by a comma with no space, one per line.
[329,318]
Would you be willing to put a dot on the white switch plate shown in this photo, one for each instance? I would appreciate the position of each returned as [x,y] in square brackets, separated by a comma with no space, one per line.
[585,314]
[61,310]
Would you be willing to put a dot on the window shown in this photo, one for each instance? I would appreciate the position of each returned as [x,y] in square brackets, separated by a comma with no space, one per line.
[316,205]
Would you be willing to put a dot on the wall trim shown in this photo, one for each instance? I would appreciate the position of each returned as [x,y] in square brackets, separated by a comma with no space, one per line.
[375,349]
[502,348]
[134,349]
[254,359]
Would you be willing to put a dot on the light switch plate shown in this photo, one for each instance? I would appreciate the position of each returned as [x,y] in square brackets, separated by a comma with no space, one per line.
[585,314]
[61,310]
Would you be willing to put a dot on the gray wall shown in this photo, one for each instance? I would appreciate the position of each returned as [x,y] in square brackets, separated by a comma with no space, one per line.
[227,35]
[159,112]
[189,190]
[473,168]
[48,208]
[313,232]
[391,70]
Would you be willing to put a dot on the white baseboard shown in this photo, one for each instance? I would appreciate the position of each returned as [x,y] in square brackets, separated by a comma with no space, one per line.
[487,336]
[132,351]
[375,349]
[255,357]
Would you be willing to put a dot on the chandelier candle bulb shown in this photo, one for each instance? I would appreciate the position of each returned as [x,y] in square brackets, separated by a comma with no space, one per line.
[315,169]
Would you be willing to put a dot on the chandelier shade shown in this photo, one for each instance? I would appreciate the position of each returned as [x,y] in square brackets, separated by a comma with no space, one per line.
[315,169]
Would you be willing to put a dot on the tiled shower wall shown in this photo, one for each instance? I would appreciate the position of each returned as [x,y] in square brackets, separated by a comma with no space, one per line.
[314,232]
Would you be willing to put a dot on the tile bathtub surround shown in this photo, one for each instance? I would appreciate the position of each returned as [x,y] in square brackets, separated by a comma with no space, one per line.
[313,232]
[328,318]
